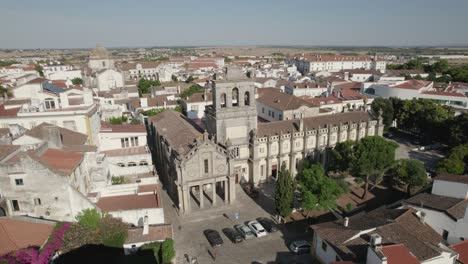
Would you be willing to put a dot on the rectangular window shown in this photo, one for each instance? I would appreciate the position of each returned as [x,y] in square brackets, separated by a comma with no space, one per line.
[445,234]
[263,110]
[194,108]
[273,114]
[19,182]
[262,169]
[15,205]
[37,201]
[206,166]
[324,246]
[262,150]
[136,142]
[122,143]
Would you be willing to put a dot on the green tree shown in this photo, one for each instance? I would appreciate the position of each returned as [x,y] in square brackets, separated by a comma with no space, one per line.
[374,156]
[113,231]
[456,162]
[77,81]
[7,63]
[441,66]
[193,89]
[343,155]
[167,251]
[227,59]
[155,247]
[458,128]
[89,218]
[174,78]
[412,173]
[117,120]
[39,69]
[318,191]
[284,192]
[144,85]
[384,106]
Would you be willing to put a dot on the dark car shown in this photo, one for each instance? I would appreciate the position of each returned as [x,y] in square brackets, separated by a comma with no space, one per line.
[213,237]
[267,224]
[233,235]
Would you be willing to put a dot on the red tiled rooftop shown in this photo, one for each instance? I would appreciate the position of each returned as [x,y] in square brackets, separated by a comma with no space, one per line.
[124,128]
[18,234]
[412,84]
[64,162]
[462,249]
[128,202]
[444,93]
[397,254]
[126,151]
[9,112]
[147,188]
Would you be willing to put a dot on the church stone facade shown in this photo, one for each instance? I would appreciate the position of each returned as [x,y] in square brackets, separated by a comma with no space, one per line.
[201,167]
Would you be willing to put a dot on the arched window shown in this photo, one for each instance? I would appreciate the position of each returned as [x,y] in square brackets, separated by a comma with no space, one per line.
[143,163]
[49,103]
[132,164]
[247,98]
[235,97]
[223,100]
[120,164]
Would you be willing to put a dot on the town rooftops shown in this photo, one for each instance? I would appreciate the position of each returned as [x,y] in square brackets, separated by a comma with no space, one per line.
[399,254]
[403,72]
[61,161]
[442,93]
[412,84]
[310,123]
[17,234]
[453,207]
[276,99]
[395,226]
[318,57]
[155,233]
[176,129]
[7,150]
[462,250]
[68,137]
[199,97]
[453,178]
[128,202]
[350,85]
[123,128]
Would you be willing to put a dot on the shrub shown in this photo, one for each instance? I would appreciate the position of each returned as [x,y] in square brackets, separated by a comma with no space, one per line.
[117,120]
[117,180]
[113,231]
[78,236]
[89,218]
[167,251]
[155,247]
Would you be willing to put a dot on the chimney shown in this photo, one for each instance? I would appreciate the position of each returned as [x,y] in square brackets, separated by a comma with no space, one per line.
[145,225]
[422,216]
[346,222]
[301,124]
[375,240]
[51,134]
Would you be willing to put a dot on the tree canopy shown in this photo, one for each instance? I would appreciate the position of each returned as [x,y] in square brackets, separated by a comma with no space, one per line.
[412,173]
[384,106]
[374,156]
[194,88]
[456,162]
[77,81]
[284,192]
[318,191]
[144,85]
[342,156]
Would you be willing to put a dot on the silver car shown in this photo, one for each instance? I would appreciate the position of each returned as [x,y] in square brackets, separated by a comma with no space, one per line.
[300,246]
[245,232]
[257,228]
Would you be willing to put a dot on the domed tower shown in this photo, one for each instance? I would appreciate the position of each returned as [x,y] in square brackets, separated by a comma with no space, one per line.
[99,58]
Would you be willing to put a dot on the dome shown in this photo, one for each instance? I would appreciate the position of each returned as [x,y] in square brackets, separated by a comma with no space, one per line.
[99,52]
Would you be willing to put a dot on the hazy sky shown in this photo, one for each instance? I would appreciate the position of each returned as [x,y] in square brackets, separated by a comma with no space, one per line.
[113,23]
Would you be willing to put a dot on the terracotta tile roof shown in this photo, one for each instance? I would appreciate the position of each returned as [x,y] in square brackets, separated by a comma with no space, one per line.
[6,150]
[453,178]
[4,132]
[124,128]
[444,93]
[322,100]
[196,65]
[18,234]
[399,254]
[126,151]
[288,126]
[61,161]
[17,101]
[128,202]
[144,65]
[453,207]
[155,233]
[336,58]
[360,71]
[199,97]
[350,85]
[159,100]
[395,226]
[274,98]
[37,81]
[350,95]
[148,188]
[402,72]
[9,112]
[412,84]
[462,250]
[176,129]
[69,137]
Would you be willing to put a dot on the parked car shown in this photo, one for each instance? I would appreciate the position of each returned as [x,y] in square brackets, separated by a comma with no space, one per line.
[251,190]
[268,224]
[233,235]
[213,237]
[300,246]
[245,232]
[257,228]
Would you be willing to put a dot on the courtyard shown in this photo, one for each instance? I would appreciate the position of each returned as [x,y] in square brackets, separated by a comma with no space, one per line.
[273,248]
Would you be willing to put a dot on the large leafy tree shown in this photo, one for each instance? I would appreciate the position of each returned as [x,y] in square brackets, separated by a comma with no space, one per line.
[456,162]
[284,192]
[193,89]
[144,85]
[77,81]
[374,156]
[342,156]
[318,191]
[384,106]
[412,173]
[89,218]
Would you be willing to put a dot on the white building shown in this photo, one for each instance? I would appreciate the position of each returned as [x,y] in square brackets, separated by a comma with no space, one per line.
[446,208]
[139,236]
[194,106]
[335,63]
[306,88]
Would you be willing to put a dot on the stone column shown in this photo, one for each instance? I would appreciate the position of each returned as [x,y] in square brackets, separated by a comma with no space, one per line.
[232,190]
[201,196]
[186,198]
[213,186]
